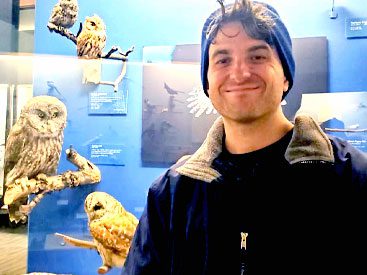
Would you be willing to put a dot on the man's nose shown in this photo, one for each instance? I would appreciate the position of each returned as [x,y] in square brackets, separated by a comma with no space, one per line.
[240,71]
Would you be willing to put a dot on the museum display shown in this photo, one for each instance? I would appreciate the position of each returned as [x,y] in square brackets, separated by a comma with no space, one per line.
[91,41]
[63,15]
[33,147]
[131,104]
[32,154]
[112,228]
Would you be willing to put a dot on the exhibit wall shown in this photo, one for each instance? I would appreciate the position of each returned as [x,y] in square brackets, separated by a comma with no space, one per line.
[105,122]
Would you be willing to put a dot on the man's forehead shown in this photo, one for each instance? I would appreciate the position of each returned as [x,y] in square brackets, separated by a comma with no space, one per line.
[250,45]
[231,31]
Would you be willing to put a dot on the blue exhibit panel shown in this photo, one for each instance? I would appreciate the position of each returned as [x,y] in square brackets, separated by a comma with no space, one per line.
[356,27]
[110,140]
[107,154]
[106,126]
[108,103]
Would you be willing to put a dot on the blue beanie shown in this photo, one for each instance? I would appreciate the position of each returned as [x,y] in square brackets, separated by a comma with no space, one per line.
[278,38]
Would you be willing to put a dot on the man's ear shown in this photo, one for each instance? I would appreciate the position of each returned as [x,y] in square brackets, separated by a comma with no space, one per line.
[285,85]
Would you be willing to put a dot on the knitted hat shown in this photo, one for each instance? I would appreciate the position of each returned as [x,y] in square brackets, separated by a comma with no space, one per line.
[278,38]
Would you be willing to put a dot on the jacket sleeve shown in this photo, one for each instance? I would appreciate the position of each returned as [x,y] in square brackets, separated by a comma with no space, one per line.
[355,159]
[149,250]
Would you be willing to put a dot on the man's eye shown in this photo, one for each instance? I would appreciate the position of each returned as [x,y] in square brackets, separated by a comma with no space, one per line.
[258,57]
[222,61]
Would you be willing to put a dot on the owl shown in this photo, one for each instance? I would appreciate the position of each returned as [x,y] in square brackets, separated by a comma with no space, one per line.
[92,39]
[111,227]
[34,145]
[64,14]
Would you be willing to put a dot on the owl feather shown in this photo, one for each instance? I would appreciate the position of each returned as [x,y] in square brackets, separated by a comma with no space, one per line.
[64,14]
[34,144]
[92,38]
[112,229]
[111,226]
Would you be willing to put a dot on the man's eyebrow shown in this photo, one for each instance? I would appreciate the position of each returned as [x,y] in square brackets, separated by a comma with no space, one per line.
[251,49]
[219,52]
[258,47]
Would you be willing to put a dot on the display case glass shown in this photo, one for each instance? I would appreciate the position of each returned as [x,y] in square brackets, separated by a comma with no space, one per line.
[135,112]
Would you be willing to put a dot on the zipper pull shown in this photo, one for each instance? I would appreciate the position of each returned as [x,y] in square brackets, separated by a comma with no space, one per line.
[243,253]
[243,240]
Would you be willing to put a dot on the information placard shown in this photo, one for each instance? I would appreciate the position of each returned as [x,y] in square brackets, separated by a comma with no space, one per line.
[108,103]
[356,27]
[341,114]
[107,154]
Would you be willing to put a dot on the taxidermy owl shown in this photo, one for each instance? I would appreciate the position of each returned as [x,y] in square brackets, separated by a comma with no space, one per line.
[64,14]
[111,227]
[34,145]
[92,39]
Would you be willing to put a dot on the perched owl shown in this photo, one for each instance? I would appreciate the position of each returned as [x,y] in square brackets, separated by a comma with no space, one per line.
[33,145]
[64,14]
[92,39]
[111,227]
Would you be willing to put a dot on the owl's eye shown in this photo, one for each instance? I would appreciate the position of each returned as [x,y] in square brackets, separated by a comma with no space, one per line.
[41,115]
[97,207]
[55,114]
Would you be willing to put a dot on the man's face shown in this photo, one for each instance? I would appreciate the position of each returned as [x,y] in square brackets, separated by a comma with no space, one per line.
[245,76]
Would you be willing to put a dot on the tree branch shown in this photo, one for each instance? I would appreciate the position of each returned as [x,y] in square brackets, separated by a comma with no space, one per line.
[62,31]
[88,173]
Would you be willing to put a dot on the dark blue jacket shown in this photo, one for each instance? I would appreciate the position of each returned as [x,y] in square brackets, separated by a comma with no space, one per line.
[303,212]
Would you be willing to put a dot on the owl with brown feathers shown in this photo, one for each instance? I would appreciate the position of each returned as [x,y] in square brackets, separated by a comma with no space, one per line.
[64,14]
[92,39]
[112,229]
[33,146]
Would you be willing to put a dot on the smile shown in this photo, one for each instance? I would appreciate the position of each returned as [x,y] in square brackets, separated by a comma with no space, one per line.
[242,89]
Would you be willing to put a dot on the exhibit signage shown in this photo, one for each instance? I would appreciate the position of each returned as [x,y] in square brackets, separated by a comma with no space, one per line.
[356,27]
[107,103]
[107,154]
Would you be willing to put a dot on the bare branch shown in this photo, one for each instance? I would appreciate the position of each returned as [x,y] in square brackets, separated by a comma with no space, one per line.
[88,173]
[62,31]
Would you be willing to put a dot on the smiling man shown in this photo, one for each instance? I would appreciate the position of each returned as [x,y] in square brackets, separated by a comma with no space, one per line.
[246,84]
[262,195]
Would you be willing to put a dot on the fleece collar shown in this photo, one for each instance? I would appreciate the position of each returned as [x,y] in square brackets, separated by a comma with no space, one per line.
[308,143]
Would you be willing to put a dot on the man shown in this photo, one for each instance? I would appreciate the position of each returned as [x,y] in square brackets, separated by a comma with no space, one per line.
[261,195]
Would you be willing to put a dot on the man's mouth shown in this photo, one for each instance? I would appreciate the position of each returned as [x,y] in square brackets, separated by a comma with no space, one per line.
[244,89]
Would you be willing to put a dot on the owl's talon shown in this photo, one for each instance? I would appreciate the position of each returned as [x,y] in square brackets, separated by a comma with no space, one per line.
[103,269]
[25,209]
[41,177]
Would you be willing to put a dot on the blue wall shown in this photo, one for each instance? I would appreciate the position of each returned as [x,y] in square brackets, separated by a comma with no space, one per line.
[145,23]
[164,22]
[347,57]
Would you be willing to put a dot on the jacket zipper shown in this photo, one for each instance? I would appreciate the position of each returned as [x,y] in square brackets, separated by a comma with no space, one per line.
[243,255]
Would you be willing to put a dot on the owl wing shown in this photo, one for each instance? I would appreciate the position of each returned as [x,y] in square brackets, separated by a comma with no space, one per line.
[86,44]
[14,146]
[115,232]
[199,103]
[64,14]
[56,15]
